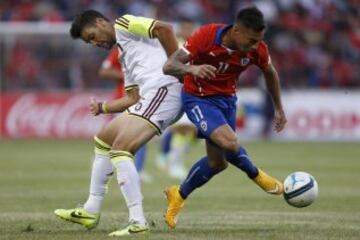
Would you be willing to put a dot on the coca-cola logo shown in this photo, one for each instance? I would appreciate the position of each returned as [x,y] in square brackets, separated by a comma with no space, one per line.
[324,123]
[45,116]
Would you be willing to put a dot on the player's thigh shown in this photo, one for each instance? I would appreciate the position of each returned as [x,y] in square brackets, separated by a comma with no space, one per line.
[204,115]
[212,123]
[216,156]
[109,132]
[134,132]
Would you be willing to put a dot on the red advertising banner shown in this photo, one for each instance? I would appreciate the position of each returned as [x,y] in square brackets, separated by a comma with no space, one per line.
[312,115]
[53,115]
[322,115]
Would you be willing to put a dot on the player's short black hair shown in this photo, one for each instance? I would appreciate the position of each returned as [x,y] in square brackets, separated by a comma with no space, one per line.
[83,19]
[251,17]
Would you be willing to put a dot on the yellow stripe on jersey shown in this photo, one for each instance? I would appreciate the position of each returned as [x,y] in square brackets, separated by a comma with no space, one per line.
[151,28]
[137,25]
[122,23]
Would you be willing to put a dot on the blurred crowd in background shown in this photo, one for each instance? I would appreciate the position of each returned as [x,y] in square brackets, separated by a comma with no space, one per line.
[313,43]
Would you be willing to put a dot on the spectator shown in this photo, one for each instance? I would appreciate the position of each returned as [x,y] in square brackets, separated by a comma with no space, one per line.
[313,43]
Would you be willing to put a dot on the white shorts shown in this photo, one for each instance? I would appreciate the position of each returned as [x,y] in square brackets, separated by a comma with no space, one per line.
[159,106]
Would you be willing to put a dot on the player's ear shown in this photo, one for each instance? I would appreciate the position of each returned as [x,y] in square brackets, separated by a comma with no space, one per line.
[100,22]
[236,28]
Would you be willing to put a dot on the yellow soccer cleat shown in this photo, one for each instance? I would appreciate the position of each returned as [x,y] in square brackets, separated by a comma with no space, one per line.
[269,184]
[175,203]
[80,216]
[131,229]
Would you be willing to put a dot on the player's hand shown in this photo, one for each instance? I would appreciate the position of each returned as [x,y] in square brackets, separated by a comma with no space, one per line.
[94,107]
[203,71]
[279,120]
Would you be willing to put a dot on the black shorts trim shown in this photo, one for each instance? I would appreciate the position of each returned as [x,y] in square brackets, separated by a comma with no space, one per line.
[148,121]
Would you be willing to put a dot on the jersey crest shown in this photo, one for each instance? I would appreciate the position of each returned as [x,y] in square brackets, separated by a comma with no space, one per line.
[244,61]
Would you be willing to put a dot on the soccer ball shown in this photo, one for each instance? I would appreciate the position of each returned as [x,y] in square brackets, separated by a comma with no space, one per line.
[300,189]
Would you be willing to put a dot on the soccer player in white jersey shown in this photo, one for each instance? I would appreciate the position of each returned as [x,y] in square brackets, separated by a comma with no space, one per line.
[152,102]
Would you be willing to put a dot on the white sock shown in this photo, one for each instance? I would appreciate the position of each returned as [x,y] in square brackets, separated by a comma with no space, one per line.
[100,174]
[176,156]
[129,182]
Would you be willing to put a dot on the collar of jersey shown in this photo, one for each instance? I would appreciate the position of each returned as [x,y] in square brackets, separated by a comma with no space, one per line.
[219,34]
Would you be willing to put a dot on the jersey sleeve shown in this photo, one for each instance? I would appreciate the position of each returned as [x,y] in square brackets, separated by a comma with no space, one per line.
[140,26]
[197,42]
[128,82]
[263,58]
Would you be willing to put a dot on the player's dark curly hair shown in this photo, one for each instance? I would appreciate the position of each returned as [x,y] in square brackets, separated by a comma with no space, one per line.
[83,19]
[252,18]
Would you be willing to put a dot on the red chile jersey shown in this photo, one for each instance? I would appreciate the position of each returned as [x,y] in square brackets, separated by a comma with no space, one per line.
[112,61]
[204,47]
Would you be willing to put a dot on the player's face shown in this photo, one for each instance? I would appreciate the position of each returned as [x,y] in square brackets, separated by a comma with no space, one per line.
[246,39]
[99,34]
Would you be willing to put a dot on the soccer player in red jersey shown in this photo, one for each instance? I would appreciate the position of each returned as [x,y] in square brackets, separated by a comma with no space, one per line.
[111,69]
[218,54]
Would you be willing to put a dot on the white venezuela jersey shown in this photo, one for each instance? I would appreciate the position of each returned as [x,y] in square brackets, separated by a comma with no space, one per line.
[141,55]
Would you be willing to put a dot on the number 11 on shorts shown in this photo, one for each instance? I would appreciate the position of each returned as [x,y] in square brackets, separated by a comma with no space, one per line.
[197,113]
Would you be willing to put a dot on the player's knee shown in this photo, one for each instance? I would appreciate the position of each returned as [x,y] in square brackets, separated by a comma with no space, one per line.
[130,146]
[122,146]
[104,135]
[230,145]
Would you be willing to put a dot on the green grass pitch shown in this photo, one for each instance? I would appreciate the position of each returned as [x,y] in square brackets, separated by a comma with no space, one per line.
[37,177]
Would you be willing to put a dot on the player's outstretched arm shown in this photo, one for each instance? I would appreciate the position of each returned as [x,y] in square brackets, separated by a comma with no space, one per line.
[176,66]
[273,86]
[116,105]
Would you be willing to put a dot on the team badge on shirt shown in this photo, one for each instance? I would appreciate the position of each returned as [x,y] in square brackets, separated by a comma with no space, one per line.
[203,125]
[212,54]
[244,61]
